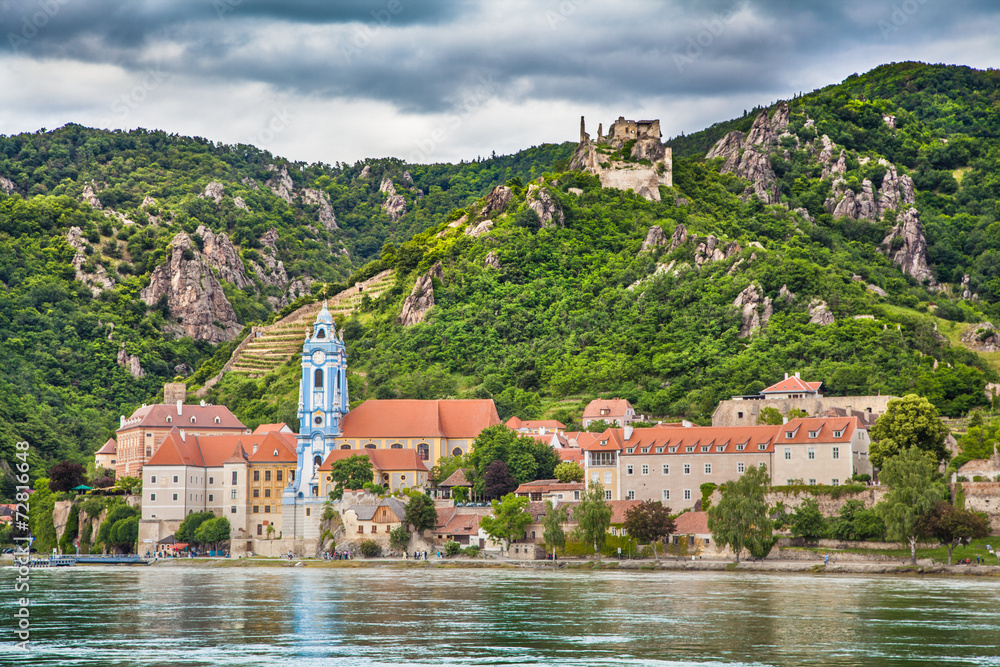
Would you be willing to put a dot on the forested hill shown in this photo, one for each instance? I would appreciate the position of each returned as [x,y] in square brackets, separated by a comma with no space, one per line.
[545,297]
[88,216]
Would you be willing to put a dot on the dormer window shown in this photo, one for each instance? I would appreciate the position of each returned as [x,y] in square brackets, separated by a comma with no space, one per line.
[645,450]
[813,434]
[720,448]
[705,448]
[789,435]
[689,449]
[170,419]
[275,453]
[740,448]
[837,434]
[762,446]
[218,420]
[630,450]
[659,450]
[604,443]
[194,420]
[673,450]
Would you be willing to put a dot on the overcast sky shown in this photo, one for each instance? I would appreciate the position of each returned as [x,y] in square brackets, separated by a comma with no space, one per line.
[432,81]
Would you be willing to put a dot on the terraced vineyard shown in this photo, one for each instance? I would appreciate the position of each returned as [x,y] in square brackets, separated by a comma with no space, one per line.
[269,347]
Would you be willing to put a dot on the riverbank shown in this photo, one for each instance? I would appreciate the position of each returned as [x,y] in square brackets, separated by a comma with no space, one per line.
[923,567]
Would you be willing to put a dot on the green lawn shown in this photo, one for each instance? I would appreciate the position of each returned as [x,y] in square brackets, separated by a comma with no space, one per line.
[938,554]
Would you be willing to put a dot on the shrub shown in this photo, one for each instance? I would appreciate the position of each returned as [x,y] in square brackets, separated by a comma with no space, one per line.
[452,548]
[471,552]
[371,549]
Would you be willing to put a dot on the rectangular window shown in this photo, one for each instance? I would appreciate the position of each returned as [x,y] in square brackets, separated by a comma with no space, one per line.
[607,494]
[235,482]
[630,495]
[708,468]
[739,415]
[761,465]
[834,482]
[256,475]
[811,453]
[666,494]
[291,475]
[277,476]
[232,509]
[152,496]
[628,470]
[267,475]
[789,435]
[740,448]
[267,493]
[607,478]
[211,497]
[673,450]
[576,495]
[689,449]
[762,446]
[256,493]
[837,434]
[813,434]
[705,448]
[267,509]
[308,510]
[687,468]
[595,477]
[152,479]
[645,470]
[256,509]
[211,480]
[836,452]
[232,494]
[260,529]
[176,479]
[687,494]
[812,481]
[175,496]
[788,453]
[666,469]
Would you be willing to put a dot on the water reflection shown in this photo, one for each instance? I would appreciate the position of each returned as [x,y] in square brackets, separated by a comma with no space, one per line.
[304,617]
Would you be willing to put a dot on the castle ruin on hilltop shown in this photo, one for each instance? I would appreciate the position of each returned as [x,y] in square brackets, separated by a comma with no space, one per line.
[643,167]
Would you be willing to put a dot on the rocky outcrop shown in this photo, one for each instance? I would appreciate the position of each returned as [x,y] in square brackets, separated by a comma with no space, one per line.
[654,239]
[643,179]
[89,196]
[193,294]
[130,362]
[889,120]
[421,298]
[496,201]
[271,271]
[711,250]
[982,337]
[280,183]
[966,292]
[250,183]
[239,202]
[786,294]
[214,191]
[727,147]
[819,313]
[491,261]
[747,157]
[876,290]
[366,172]
[7,186]
[896,191]
[910,252]
[479,228]
[387,186]
[679,237]
[541,201]
[748,302]
[93,275]
[325,216]
[220,253]
[394,205]
[855,205]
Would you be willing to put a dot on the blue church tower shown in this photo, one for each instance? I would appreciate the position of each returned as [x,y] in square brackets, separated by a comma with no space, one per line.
[323,402]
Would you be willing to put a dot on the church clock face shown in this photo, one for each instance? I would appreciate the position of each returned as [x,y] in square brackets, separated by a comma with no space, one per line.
[319,357]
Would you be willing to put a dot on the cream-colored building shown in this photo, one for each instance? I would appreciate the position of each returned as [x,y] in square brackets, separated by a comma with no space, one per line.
[392,469]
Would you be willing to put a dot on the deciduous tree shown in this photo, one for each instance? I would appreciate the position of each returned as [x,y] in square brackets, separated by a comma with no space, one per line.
[741,518]
[508,520]
[952,526]
[421,513]
[913,491]
[569,471]
[351,473]
[498,481]
[66,475]
[399,538]
[649,523]
[911,421]
[553,534]
[593,517]
[213,533]
[807,521]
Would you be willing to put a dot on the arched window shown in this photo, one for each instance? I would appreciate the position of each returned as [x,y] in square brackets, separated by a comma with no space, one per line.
[318,379]
[423,451]
[317,460]
[321,333]
[457,451]
[169,419]
[396,445]
[370,446]
[345,446]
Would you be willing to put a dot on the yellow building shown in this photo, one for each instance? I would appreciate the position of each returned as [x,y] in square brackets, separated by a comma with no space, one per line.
[392,469]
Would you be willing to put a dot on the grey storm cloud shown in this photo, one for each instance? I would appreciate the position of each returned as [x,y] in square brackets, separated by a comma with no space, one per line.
[420,56]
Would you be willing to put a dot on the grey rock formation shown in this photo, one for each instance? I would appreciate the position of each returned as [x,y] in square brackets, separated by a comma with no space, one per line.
[147,202]
[896,191]
[250,183]
[479,228]
[214,191]
[819,313]
[491,260]
[394,206]
[239,202]
[654,239]
[194,296]
[366,172]
[280,183]
[182,369]
[541,201]
[89,196]
[747,301]
[679,237]
[854,206]
[387,186]
[575,191]
[220,253]
[786,294]
[272,270]
[911,255]
[98,280]
[804,213]
[889,120]
[407,177]
[747,157]
[6,185]
[421,298]
[298,288]
[496,201]
[876,290]
[761,133]
[727,146]
[325,215]
[982,337]
[130,362]
[712,251]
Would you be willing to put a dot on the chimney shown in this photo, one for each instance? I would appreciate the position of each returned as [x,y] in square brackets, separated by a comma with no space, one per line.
[796,374]
[180,408]
[628,431]
[121,421]
[686,424]
[784,420]
[183,435]
[254,448]
[786,376]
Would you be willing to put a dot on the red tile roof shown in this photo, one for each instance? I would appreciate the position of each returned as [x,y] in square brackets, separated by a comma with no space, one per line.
[420,419]
[382,459]
[457,478]
[203,415]
[267,428]
[239,455]
[515,423]
[795,384]
[110,447]
[713,437]
[457,524]
[610,439]
[547,486]
[211,451]
[823,427]
[574,454]
[620,507]
[692,523]
[616,407]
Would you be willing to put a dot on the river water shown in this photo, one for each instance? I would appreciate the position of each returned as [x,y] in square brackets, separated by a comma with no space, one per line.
[302,617]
